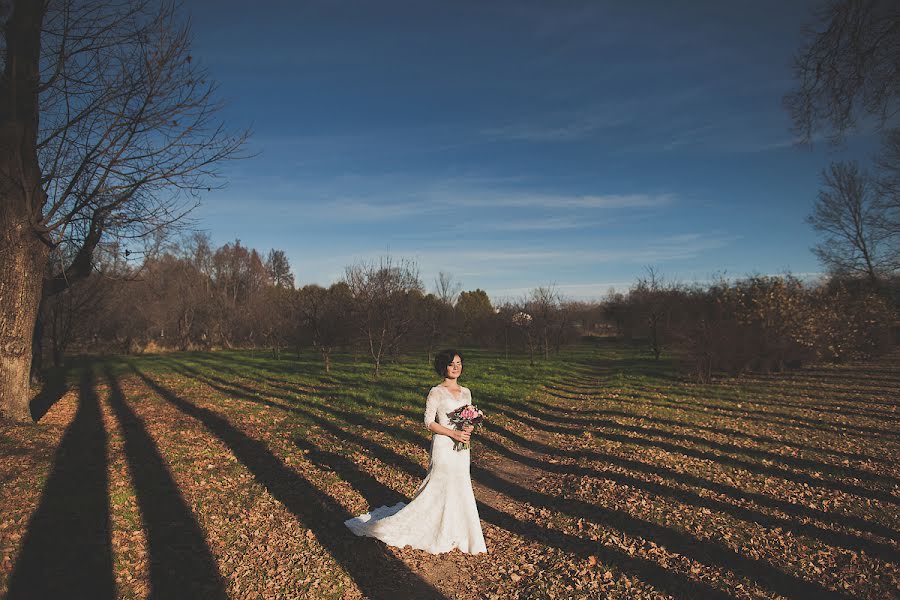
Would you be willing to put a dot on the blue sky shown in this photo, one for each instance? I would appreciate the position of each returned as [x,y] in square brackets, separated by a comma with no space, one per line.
[515,144]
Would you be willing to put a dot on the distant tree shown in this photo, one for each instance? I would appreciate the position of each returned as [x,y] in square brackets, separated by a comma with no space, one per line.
[474,303]
[69,313]
[524,322]
[774,313]
[474,310]
[324,313]
[849,213]
[436,320]
[274,318]
[543,305]
[384,295]
[651,299]
[179,292]
[197,249]
[239,279]
[446,288]
[107,129]
[564,330]
[615,311]
[279,269]
[506,325]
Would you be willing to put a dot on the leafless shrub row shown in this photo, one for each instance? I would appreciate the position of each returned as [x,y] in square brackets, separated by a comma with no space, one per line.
[760,323]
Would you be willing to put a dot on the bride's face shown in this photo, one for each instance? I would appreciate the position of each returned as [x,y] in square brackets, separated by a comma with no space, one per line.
[454,369]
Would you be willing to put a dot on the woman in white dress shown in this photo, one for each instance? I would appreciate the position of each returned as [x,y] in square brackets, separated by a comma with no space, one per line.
[442,514]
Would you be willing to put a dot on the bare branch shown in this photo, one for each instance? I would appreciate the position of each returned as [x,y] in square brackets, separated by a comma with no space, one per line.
[848,70]
[128,120]
[849,214]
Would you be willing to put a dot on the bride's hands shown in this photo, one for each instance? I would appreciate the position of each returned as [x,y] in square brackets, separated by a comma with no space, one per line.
[462,436]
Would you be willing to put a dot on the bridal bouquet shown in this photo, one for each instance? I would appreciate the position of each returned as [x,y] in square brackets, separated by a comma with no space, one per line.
[462,416]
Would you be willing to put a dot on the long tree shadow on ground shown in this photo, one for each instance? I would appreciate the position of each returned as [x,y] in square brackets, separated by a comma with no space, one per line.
[372,489]
[586,423]
[796,510]
[648,395]
[795,524]
[707,551]
[181,564]
[799,514]
[376,572]
[66,551]
[377,493]
[634,434]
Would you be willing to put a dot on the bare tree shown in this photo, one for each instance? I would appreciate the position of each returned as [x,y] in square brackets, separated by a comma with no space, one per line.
[847,70]
[107,130]
[178,289]
[543,305]
[474,312]
[447,289]
[525,322]
[436,319]
[888,165]
[564,330]
[383,294]
[651,297]
[506,324]
[324,314]
[68,313]
[279,269]
[239,284]
[849,213]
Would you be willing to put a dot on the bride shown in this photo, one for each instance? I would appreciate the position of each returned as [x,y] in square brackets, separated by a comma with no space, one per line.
[442,514]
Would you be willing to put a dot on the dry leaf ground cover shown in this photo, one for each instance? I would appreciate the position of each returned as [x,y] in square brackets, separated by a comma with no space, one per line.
[599,474]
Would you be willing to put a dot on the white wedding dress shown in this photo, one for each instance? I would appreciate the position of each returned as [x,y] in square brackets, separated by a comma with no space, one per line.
[442,514]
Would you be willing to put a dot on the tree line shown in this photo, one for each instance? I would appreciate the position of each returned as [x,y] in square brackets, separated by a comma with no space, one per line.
[759,323]
[195,296]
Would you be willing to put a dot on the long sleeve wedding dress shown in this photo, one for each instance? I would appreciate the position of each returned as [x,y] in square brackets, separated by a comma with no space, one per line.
[442,514]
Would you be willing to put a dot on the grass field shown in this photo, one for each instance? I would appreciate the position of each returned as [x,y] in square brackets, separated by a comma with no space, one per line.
[600,473]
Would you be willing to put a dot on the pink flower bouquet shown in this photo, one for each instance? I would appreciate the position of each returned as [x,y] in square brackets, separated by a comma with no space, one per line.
[463,416]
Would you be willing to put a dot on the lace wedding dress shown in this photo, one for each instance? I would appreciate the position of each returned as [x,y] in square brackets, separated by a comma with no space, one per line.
[442,514]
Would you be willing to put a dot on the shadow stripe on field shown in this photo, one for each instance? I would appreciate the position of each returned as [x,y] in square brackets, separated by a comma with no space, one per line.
[67,548]
[706,551]
[181,564]
[377,572]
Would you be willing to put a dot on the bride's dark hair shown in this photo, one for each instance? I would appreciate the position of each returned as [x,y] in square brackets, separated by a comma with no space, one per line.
[443,359]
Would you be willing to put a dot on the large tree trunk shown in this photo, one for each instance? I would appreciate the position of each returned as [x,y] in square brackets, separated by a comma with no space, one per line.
[21,205]
[21,278]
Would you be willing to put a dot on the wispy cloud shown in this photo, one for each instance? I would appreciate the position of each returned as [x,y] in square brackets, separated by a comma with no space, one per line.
[553,201]
[636,251]
[562,128]
[548,224]
[395,198]
[430,202]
